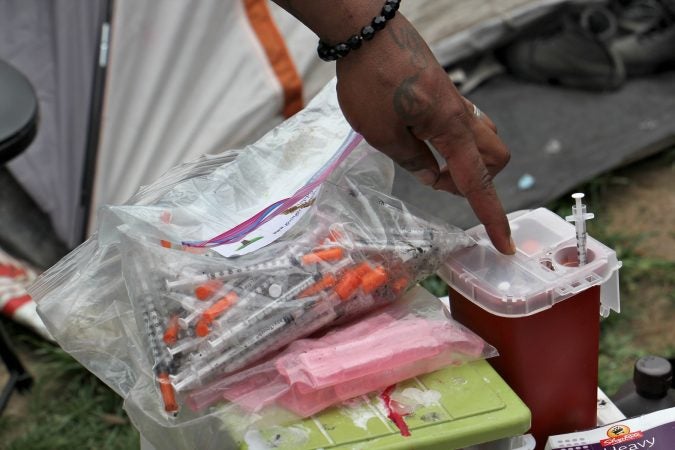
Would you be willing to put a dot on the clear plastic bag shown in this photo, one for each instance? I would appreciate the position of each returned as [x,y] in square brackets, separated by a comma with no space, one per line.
[205,316]
[161,302]
[391,344]
[83,300]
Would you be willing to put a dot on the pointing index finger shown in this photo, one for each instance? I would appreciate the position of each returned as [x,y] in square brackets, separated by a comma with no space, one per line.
[473,180]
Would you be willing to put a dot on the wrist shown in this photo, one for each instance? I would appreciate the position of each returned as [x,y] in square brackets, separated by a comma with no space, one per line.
[335,21]
[328,50]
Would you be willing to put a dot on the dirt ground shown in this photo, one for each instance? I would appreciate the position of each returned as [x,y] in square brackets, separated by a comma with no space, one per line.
[645,205]
[641,204]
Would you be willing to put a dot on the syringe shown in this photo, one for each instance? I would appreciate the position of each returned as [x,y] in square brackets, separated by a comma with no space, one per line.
[264,338]
[288,261]
[579,217]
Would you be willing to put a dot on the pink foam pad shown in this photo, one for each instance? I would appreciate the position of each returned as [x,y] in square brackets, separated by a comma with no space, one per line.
[313,374]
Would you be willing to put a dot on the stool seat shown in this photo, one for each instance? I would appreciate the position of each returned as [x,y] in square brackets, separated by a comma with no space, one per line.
[18,112]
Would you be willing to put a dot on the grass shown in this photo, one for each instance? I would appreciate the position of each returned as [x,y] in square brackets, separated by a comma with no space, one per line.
[620,345]
[647,287]
[68,408]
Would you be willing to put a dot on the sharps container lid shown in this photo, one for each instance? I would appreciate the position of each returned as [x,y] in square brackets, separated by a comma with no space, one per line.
[544,271]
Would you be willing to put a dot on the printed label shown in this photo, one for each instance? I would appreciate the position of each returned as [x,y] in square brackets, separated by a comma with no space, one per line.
[619,434]
[621,437]
[270,231]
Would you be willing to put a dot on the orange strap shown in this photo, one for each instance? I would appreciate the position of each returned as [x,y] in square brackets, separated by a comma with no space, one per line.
[273,42]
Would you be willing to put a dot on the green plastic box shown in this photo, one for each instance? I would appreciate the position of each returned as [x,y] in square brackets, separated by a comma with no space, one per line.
[465,405]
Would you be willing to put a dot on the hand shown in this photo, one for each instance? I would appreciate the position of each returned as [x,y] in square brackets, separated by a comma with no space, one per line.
[394,93]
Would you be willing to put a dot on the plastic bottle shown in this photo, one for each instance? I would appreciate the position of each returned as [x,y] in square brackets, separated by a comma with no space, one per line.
[650,389]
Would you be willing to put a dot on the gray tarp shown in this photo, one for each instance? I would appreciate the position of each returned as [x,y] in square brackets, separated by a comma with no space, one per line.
[53,43]
[560,138]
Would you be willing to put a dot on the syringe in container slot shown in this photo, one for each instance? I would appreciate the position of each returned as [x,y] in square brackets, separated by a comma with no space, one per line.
[579,217]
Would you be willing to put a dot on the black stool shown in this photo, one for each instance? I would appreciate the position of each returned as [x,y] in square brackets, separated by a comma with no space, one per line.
[18,113]
[25,229]
[19,378]
[18,126]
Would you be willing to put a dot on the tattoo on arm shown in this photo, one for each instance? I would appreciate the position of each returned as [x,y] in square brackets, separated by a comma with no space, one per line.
[407,103]
[407,38]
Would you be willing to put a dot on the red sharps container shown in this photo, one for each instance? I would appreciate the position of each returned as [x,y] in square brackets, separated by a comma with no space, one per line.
[541,309]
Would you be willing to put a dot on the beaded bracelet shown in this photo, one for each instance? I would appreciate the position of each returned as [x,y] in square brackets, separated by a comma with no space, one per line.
[328,53]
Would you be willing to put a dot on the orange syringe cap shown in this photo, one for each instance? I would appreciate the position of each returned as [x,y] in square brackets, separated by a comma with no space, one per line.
[326,255]
[206,290]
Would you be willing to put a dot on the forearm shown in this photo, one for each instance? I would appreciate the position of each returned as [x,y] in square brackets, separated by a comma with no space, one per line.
[333,20]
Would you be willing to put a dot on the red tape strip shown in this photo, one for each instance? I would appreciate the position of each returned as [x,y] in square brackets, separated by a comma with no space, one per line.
[12,305]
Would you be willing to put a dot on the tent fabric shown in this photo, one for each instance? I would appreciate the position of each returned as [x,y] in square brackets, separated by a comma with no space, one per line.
[53,43]
[184,79]
[273,43]
[454,29]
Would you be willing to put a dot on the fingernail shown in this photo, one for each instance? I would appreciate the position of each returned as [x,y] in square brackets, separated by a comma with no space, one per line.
[512,246]
[426,176]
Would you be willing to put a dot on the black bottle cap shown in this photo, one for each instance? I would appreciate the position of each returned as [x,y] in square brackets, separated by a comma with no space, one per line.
[652,376]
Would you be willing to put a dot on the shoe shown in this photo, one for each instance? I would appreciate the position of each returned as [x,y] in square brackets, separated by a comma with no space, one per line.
[577,55]
[646,39]
[469,75]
